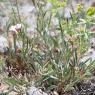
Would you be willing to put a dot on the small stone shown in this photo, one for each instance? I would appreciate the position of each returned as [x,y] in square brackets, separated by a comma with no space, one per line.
[35,91]
[55,93]
[3,44]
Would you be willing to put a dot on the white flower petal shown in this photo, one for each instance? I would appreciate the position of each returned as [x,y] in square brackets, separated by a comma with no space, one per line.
[18,26]
[67,13]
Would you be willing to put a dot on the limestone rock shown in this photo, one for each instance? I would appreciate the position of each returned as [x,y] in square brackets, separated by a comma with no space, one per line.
[3,44]
[35,91]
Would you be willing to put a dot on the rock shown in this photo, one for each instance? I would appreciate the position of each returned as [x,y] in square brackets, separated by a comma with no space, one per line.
[89,55]
[3,44]
[3,88]
[54,93]
[35,91]
[92,43]
[13,93]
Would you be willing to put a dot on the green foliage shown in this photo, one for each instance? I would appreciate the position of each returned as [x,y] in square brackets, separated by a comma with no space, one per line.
[55,59]
[91,11]
[58,3]
[63,59]
[79,7]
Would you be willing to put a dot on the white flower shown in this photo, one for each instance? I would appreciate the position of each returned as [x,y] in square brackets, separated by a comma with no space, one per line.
[15,28]
[18,26]
[67,13]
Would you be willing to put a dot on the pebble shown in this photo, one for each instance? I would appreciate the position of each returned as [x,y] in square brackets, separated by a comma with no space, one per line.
[3,44]
[35,91]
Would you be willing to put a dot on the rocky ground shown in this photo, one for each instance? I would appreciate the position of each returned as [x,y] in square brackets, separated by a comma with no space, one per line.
[28,15]
[26,10]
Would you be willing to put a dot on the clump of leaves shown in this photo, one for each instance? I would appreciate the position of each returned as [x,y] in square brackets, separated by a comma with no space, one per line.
[63,68]
[91,11]
[54,59]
